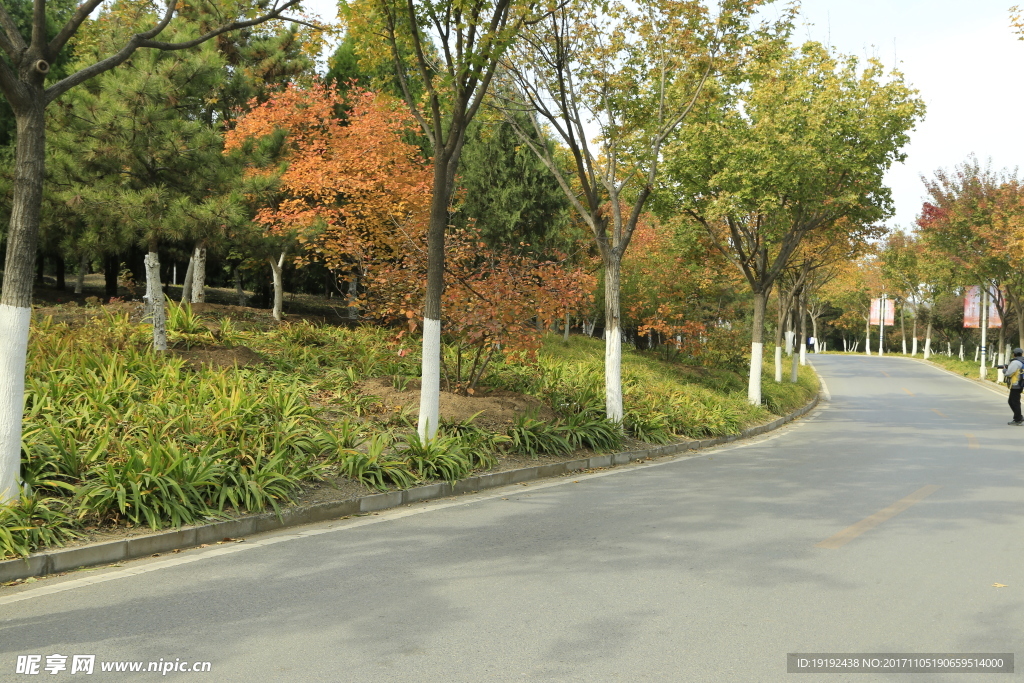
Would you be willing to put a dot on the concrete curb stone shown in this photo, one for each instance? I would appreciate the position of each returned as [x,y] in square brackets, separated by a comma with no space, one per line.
[64,559]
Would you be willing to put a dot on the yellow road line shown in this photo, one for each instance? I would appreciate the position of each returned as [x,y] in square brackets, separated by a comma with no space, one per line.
[939,413]
[908,391]
[971,441]
[868,523]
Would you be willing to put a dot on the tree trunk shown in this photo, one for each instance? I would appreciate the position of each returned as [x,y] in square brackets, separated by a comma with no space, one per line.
[903,326]
[353,296]
[16,298]
[430,370]
[243,299]
[612,338]
[803,329]
[814,331]
[928,341]
[155,298]
[186,284]
[565,332]
[111,266]
[867,336]
[778,338]
[199,276]
[794,364]
[757,349]
[913,342]
[277,267]
[83,266]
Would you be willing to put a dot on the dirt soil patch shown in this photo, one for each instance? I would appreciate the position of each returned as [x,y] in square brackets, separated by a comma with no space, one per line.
[219,356]
[497,408]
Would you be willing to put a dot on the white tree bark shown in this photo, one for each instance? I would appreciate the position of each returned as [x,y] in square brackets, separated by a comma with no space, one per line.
[186,284]
[867,338]
[613,372]
[430,394]
[14,323]
[277,267]
[928,342]
[155,301]
[778,364]
[199,276]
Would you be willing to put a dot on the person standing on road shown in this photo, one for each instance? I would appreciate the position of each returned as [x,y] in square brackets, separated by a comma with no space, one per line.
[810,345]
[1014,374]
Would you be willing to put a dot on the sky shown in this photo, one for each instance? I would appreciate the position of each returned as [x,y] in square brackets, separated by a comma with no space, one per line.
[960,55]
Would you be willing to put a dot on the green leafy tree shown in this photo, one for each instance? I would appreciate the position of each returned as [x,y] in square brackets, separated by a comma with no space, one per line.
[798,145]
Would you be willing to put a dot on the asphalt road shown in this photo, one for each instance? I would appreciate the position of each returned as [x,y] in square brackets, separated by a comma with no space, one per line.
[878,524]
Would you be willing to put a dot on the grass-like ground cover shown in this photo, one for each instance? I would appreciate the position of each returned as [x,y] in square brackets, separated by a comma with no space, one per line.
[119,436]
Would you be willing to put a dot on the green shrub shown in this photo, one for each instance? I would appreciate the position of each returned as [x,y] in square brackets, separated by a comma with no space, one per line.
[32,523]
[374,468]
[534,437]
[439,458]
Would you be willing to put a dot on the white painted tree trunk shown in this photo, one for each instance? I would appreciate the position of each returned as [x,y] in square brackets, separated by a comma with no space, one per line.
[949,350]
[430,394]
[961,350]
[789,342]
[14,323]
[199,276]
[913,347]
[186,284]
[612,337]
[277,267]
[867,338]
[757,349]
[928,342]
[794,366]
[977,351]
[83,265]
[155,301]
[778,364]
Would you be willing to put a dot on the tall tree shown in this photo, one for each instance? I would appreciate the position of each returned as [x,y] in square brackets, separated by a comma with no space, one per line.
[632,74]
[25,62]
[799,145]
[455,47]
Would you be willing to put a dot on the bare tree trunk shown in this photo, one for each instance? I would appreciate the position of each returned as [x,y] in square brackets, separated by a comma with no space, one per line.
[277,267]
[155,298]
[186,284]
[199,275]
[928,341]
[16,299]
[243,298]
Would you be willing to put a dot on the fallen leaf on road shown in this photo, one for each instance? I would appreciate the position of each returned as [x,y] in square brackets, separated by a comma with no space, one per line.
[999,585]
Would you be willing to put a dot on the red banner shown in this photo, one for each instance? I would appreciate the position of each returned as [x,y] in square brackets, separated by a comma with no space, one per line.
[972,308]
[890,311]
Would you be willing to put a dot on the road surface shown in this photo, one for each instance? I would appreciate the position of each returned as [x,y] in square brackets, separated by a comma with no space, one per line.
[890,520]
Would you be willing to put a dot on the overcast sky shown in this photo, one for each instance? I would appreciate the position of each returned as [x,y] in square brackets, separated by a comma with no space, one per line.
[962,57]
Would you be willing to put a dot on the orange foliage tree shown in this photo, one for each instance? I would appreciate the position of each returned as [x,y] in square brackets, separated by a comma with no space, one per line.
[496,300]
[351,189]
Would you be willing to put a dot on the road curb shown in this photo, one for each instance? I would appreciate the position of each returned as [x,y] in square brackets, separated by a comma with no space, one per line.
[108,552]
